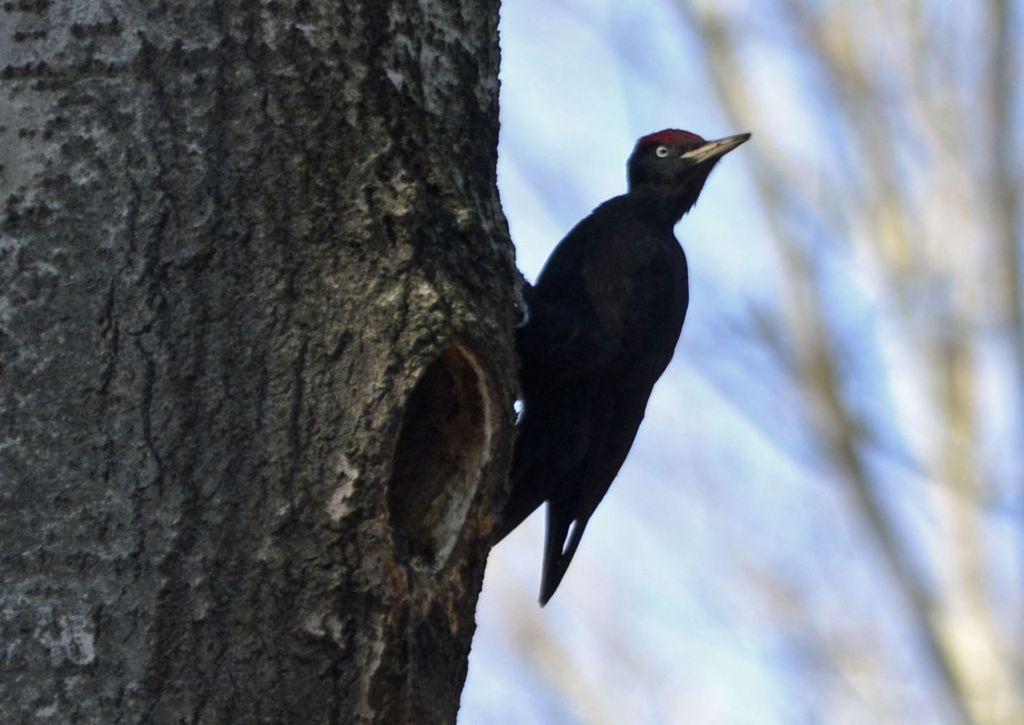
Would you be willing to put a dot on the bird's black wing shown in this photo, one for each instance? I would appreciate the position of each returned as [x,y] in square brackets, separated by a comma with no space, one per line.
[604,319]
[651,318]
[559,348]
[616,424]
[551,443]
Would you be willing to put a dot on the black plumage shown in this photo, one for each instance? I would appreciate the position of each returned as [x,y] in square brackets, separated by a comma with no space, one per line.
[602,324]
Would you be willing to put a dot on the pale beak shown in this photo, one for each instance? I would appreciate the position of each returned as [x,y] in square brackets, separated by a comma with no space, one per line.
[714,149]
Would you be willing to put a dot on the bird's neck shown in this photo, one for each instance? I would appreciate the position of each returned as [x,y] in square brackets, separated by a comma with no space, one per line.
[662,203]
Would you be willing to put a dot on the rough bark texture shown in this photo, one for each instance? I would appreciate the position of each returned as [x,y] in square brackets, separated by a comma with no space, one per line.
[255,357]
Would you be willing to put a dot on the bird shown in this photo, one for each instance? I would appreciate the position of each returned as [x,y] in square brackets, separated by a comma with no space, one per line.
[596,331]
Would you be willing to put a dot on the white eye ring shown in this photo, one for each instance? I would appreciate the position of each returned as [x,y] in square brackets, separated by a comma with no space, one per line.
[661,152]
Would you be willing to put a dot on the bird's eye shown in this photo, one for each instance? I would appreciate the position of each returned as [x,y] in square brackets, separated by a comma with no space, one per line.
[661,152]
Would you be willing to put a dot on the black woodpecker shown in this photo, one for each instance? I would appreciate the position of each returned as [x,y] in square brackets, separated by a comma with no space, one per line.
[599,328]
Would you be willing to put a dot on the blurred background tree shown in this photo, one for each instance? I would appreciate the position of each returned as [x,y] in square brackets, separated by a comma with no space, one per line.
[821,520]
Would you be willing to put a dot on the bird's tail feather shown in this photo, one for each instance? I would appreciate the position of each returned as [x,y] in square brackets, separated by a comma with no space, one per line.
[531,479]
[521,503]
[558,552]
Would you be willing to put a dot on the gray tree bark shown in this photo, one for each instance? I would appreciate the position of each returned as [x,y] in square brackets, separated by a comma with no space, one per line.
[256,372]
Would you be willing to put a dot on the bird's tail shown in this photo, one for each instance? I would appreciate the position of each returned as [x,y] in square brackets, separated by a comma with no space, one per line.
[533,473]
[560,543]
[528,492]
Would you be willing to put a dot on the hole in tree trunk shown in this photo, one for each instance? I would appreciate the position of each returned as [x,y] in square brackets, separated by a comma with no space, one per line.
[442,448]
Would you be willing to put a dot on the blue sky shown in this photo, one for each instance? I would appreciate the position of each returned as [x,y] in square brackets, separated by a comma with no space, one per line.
[689,599]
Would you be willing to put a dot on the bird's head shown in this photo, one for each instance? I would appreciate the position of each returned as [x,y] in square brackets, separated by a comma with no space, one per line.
[671,166]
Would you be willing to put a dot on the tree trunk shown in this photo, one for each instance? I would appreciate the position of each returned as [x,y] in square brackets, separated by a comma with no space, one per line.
[256,367]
